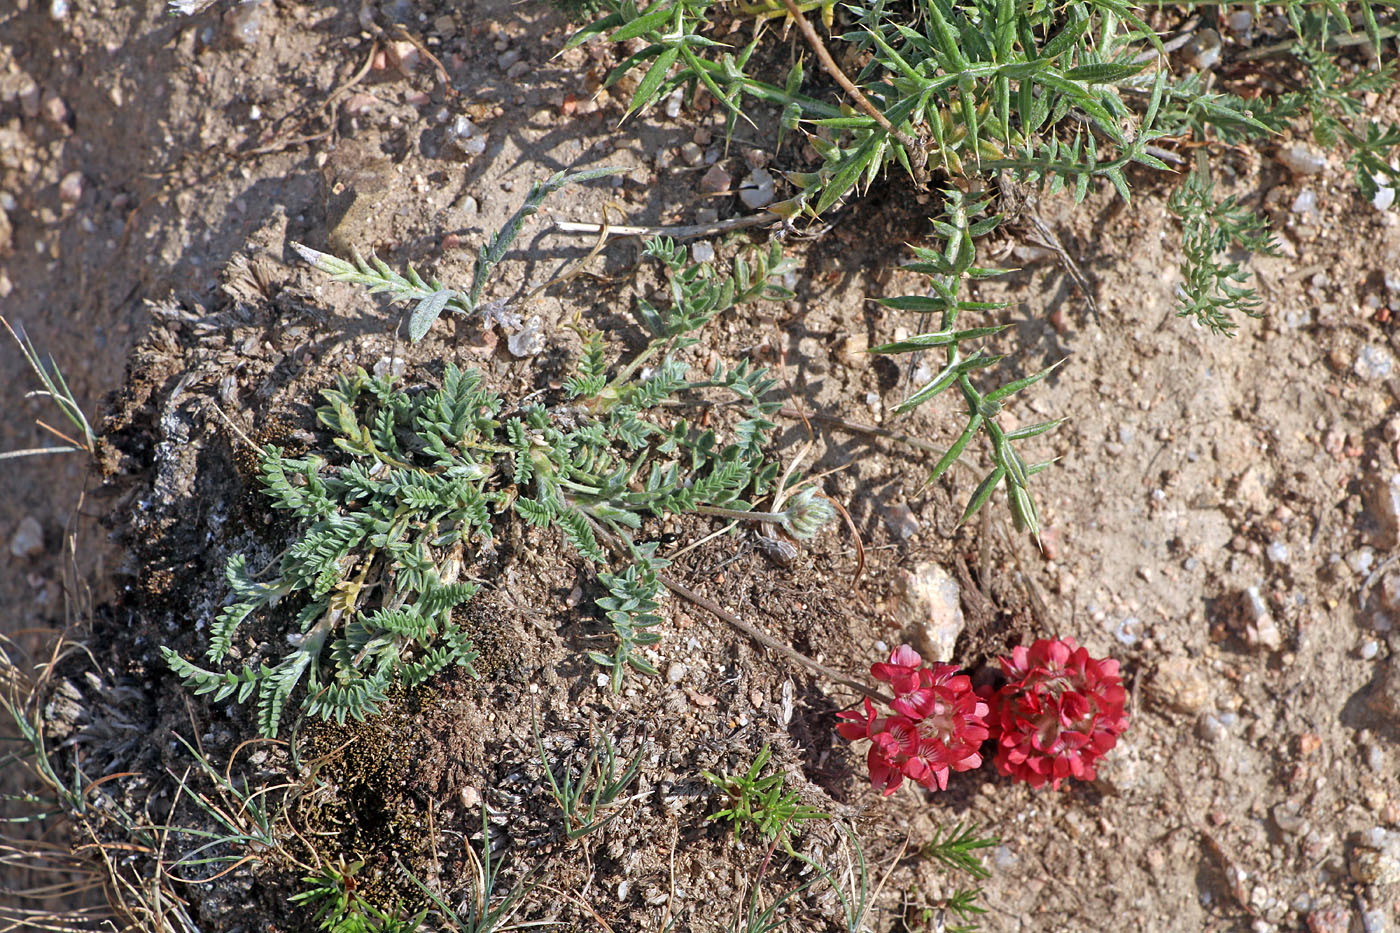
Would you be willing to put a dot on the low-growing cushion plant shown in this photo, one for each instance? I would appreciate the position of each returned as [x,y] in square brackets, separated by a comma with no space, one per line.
[394,512]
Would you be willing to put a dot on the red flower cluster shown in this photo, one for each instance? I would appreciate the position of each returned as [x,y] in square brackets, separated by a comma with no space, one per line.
[937,725]
[1058,713]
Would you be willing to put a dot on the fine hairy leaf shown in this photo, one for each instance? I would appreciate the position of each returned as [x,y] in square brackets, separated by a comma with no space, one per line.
[430,296]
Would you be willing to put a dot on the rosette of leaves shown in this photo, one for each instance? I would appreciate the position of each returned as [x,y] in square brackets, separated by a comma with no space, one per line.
[417,480]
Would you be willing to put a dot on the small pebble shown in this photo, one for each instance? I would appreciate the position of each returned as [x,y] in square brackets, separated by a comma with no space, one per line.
[930,609]
[1211,728]
[703,251]
[1369,650]
[1288,818]
[1179,683]
[53,109]
[901,521]
[465,137]
[1305,202]
[676,672]
[1361,559]
[245,23]
[1239,21]
[715,180]
[70,189]
[529,340]
[1203,51]
[1329,920]
[1260,628]
[1277,552]
[28,539]
[1373,363]
[1129,631]
[1301,159]
[1003,858]
[756,190]
[692,154]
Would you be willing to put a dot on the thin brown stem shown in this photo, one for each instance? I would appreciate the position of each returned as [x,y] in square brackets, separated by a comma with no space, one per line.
[915,151]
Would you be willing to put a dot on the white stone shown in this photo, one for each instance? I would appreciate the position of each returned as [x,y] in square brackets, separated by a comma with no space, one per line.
[1299,158]
[756,190]
[1260,628]
[28,539]
[529,340]
[930,610]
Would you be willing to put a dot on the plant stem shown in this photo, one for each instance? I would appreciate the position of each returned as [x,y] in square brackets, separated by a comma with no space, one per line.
[916,152]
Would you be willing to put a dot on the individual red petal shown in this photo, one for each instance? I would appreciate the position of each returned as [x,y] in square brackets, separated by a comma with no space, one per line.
[883,775]
[905,656]
[902,670]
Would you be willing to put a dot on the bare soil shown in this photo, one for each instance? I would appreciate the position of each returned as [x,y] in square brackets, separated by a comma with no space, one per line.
[1217,518]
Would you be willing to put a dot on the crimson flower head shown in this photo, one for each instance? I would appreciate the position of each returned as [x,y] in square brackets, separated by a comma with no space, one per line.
[1059,712]
[936,724]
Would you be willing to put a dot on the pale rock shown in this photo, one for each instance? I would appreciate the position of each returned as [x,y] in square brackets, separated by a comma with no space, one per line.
[756,190]
[854,351]
[1329,920]
[465,137]
[54,109]
[1301,159]
[28,539]
[70,189]
[901,521]
[715,180]
[1211,729]
[1180,684]
[1373,362]
[930,610]
[1250,489]
[1260,629]
[245,23]
[1375,857]
[1388,592]
[529,340]
[1203,51]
